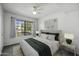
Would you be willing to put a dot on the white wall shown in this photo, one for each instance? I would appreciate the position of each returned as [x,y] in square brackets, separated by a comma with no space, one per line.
[67,22]
[7,20]
[57,16]
[1,28]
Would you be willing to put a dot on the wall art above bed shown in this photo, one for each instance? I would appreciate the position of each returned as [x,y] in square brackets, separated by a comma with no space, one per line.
[51,24]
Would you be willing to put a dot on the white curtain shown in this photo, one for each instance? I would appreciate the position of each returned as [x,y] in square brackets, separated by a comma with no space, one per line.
[13,30]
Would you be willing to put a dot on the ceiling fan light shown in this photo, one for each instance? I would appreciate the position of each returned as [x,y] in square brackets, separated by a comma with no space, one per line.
[34,13]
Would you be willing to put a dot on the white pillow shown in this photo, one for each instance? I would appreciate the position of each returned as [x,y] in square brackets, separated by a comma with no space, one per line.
[45,36]
[51,37]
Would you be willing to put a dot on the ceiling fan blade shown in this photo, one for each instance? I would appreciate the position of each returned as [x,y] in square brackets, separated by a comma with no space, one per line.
[37,8]
[40,8]
[39,12]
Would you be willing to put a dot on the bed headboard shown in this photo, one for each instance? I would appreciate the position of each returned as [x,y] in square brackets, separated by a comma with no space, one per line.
[54,32]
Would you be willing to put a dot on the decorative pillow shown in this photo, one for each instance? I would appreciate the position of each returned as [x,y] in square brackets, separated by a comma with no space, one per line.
[44,36]
[51,37]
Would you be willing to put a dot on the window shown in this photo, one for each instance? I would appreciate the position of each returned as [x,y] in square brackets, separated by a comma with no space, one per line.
[23,27]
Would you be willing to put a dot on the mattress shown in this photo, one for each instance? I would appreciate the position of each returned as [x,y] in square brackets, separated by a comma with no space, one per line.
[29,51]
[41,48]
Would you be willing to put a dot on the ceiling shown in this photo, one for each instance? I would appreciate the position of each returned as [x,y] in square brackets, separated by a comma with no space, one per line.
[26,9]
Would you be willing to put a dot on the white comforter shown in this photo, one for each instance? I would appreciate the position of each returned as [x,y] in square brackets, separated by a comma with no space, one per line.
[29,51]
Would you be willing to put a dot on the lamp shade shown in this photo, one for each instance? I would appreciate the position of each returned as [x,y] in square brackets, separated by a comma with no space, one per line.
[69,35]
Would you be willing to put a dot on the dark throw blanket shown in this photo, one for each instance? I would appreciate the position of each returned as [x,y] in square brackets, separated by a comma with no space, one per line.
[41,48]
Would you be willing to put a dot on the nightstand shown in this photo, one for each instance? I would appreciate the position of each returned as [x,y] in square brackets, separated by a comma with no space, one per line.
[67,43]
[69,48]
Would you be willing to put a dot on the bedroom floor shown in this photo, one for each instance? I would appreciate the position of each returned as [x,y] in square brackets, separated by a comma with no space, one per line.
[62,52]
[15,50]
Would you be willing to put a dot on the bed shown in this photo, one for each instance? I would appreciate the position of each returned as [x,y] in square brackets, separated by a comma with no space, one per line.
[28,50]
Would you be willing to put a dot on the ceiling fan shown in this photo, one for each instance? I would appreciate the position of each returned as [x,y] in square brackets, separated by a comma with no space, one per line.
[37,9]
